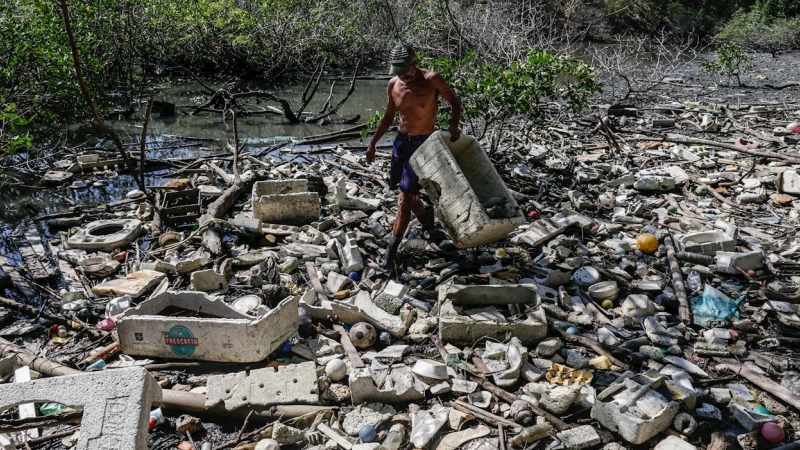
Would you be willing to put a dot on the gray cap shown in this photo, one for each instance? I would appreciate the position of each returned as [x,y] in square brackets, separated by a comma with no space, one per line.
[401,58]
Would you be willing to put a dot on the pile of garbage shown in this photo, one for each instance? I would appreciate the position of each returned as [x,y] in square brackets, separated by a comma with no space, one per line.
[617,292]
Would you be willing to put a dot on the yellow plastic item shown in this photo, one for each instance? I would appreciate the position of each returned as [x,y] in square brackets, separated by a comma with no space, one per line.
[600,363]
[608,304]
[500,253]
[647,243]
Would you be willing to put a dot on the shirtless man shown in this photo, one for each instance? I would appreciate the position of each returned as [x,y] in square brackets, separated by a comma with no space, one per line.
[414,92]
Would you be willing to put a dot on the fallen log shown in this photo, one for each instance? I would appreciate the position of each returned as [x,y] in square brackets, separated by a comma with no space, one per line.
[218,208]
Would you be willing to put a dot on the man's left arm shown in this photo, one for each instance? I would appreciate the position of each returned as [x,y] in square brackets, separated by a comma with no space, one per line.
[455,105]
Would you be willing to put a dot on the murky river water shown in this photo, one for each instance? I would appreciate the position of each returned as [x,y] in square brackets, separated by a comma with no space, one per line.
[206,134]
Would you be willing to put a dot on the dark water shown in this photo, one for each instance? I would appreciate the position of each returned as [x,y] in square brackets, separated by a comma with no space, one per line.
[181,138]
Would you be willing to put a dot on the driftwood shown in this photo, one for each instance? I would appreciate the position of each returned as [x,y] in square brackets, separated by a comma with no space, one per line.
[98,119]
[511,398]
[677,283]
[218,208]
[226,100]
[774,389]
[761,153]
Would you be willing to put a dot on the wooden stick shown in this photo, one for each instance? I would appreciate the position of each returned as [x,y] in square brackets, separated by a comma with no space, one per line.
[98,119]
[677,282]
[349,349]
[596,346]
[144,139]
[510,398]
[774,389]
[761,153]
[218,208]
[15,425]
[487,416]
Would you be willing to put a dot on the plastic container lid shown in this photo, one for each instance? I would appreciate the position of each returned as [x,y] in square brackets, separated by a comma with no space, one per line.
[586,276]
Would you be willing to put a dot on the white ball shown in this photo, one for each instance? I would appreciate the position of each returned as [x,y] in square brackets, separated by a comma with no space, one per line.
[268,444]
[336,369]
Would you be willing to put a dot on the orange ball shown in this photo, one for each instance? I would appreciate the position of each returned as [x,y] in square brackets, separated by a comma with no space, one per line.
[647,243]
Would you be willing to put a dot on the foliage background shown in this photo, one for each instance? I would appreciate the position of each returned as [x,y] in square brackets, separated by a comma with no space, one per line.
[125,43]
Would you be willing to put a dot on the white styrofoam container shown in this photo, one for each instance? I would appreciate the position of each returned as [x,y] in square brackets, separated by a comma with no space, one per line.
[215,332]
[459,176]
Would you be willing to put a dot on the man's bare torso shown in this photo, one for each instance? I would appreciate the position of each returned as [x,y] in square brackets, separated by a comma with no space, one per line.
[417,101]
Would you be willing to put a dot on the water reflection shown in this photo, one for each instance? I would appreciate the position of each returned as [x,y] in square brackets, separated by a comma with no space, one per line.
[184,138]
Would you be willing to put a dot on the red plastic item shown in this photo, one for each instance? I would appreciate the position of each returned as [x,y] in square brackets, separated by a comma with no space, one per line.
[533,215]
[773,433]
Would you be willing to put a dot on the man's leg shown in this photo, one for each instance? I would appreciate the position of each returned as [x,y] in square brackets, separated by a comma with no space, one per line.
[405,205]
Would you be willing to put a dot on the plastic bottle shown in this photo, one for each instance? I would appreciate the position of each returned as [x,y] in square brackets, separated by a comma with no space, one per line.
[417,303]
[97,365]
[48,409]
[531,434]
[156,418]
[394,438]
[118,305]
[697,258]
[693,280]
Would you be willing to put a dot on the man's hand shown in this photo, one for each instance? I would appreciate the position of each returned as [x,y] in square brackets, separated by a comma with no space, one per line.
[455,132]
[370,154]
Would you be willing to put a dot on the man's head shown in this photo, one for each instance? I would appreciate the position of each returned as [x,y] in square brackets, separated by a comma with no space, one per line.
[402,61]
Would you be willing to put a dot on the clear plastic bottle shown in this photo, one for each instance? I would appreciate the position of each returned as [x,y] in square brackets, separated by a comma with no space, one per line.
[693,280]
[394,438]
[118,305]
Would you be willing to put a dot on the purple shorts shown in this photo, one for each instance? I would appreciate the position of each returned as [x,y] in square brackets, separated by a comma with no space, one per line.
[401,172]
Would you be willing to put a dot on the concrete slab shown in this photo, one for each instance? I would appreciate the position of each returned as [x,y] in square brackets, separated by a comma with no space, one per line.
[116,404]
[296,383]
[135,284]
[460,179]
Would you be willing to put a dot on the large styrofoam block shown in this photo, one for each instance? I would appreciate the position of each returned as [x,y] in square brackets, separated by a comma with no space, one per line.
[705,242]
[459,177]
[295,383]
[456,326]
[222,334]
[635,409]
[279,187]
[106,235]
[285,202]
[116,404]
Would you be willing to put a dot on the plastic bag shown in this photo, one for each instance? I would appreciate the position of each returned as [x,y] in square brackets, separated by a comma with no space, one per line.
[714,307]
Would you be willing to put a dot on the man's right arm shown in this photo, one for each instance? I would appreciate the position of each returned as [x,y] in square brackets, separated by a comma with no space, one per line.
[386,121]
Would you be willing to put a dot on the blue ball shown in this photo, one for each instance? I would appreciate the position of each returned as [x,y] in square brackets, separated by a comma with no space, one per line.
[367,434]
[573,330]
[354,276]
